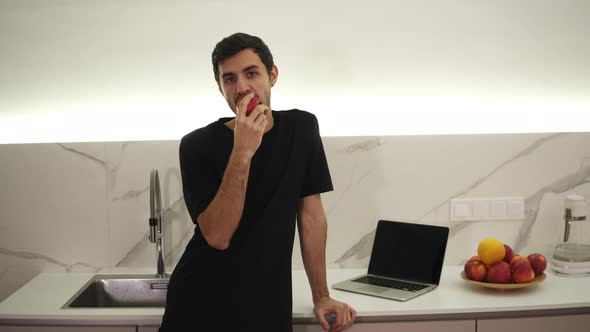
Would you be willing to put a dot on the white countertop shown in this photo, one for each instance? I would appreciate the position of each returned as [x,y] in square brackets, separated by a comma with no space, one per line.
[39,302]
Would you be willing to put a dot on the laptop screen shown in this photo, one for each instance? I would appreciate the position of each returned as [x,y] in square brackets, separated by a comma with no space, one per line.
[409,251]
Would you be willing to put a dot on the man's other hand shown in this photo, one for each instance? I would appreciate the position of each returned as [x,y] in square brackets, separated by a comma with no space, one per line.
[344,314]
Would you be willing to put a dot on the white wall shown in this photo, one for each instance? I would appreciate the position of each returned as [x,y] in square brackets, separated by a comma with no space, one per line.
[84,207]
[71,69]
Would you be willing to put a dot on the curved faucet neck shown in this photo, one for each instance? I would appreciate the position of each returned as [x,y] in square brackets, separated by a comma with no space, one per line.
[156,222]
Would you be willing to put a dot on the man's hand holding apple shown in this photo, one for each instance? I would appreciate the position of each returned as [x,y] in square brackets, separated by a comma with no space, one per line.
[250,124]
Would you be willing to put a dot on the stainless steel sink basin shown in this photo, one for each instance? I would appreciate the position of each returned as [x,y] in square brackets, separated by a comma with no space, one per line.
[121,291]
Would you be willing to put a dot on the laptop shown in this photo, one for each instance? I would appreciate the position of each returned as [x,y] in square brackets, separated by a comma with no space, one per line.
[406,261]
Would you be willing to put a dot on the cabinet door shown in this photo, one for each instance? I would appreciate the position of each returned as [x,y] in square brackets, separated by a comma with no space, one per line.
[426,326]
[22,328]
[570,323]
[147,328]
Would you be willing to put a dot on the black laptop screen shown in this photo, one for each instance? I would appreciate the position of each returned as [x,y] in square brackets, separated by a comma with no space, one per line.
[409,251]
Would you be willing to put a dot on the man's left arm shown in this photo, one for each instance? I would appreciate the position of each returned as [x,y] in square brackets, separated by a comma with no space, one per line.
[313,228]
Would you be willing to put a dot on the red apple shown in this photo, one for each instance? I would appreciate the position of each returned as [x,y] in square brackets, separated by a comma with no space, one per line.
[252,104]
[474,258]
[255,101]
[517,259]
[499,273]
[538,263]
[522,273]
[509,254]
[475,270]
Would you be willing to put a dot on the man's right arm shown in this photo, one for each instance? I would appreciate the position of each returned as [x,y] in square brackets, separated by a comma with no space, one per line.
[219,221]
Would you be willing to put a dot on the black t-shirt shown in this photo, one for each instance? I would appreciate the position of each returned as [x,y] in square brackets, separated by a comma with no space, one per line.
[248,286]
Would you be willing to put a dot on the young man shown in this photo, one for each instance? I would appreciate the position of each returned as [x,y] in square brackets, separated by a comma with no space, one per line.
[247,182]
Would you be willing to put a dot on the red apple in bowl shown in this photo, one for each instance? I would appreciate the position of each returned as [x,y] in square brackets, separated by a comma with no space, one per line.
[538,263]
[517,259]
[509,254]
[499,273]
[475,270]
[522,273]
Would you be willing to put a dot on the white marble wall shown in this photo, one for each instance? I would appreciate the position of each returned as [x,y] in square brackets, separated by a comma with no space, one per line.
[84,207]
[413,178]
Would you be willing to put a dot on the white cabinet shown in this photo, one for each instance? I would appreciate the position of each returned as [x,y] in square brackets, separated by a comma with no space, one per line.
[566,323]
[426,326]
[22,328]
[570,323]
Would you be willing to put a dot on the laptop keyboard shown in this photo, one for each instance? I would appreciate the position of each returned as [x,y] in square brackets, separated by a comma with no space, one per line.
[403,285]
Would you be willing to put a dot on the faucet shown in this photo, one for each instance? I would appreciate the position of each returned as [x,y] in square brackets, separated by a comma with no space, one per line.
[156,227]
[572,207]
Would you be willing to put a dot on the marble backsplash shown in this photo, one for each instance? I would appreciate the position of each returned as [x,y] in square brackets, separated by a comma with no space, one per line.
[83,207]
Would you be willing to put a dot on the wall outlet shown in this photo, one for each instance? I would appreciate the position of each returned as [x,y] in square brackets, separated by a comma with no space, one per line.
[498,208]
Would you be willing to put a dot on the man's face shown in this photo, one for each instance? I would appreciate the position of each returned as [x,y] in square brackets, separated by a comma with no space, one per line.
[245,73]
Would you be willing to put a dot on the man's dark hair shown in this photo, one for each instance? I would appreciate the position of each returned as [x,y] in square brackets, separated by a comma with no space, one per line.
[229,46]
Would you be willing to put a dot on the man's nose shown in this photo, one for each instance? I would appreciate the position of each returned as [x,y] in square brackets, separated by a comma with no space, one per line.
[243,86]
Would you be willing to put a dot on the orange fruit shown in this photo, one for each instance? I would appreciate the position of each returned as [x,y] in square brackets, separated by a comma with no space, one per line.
[491,250]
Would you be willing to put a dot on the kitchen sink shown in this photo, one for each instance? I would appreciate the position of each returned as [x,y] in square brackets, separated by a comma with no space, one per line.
[121,291]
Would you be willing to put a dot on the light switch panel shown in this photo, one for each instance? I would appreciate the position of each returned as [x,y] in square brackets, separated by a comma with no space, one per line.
[481,209]
[462,211]
[496,208]
[516,209]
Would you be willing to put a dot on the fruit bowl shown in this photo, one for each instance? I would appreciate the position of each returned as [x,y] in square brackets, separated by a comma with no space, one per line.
[538,279]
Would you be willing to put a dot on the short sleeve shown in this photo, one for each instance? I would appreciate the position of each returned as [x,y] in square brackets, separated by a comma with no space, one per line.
[317,177]
[199,181]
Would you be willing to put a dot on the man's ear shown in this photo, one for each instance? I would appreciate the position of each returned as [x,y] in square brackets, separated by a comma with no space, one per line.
[274,74]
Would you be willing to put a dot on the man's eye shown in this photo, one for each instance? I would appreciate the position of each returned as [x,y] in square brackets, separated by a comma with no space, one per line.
[252,74]
[229,80]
